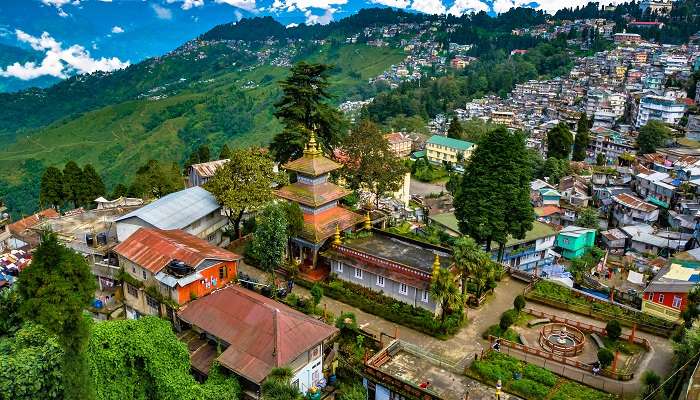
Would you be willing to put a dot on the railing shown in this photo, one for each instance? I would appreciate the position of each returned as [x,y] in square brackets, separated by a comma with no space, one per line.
[587,328]
[552,345]
[620,376]
[382,262]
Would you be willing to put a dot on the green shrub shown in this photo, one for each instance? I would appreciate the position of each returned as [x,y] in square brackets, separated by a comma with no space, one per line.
[539,374]
[529,389]
[292,300]
[613,329]
[507,319]
[519,302]
[576,391]
[508,334]
[316,293]
[605,357]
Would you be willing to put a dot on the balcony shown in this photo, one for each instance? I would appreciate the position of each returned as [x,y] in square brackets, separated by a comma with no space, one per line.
[106,269]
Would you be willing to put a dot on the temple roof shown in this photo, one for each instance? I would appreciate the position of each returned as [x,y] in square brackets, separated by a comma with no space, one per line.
[313,162]
[314,195]
[321,226]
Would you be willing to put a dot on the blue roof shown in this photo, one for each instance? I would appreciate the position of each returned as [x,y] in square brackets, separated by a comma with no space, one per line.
[449,142]
[176,210]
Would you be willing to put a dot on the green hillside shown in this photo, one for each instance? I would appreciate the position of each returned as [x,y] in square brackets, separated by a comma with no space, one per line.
[234,107]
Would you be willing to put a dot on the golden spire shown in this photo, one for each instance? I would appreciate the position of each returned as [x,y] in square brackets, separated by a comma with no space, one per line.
[368,221]
[436,265]
[312,148]
[336,237]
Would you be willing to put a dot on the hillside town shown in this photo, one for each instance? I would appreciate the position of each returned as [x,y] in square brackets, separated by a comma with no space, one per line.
[539,243]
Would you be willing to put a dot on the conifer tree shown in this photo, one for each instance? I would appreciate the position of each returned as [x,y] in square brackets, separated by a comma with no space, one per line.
[225,152]
[582,139]
[559,141]
[74,185]
[51,190]
[455,131]
[94,185]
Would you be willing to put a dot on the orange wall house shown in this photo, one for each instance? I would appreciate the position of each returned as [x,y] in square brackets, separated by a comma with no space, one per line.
[172,267]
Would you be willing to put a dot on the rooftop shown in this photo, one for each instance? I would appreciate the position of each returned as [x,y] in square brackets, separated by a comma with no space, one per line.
[176,210]
[31,221]
[539,231]
[449,142]
[575,231]
[153,249]
[400,250]
[674,279]
[262,334]
[207,169]
[634,202]
[312,195]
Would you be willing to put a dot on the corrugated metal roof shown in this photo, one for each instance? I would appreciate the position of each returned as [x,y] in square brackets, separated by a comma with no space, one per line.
[153,249]
[176,210]
[207,169]
[634,202]
[262,334]
[449,142]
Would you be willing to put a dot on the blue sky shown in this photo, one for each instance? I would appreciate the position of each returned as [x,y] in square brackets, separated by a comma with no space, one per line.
[79,36]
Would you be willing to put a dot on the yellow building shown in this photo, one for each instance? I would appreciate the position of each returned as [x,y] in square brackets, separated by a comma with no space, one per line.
[441,148]
[502,117]
[399,143]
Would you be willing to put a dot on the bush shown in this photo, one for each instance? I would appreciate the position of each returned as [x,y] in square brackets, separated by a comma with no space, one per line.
[346,320]
[576,391]
[605,357]
[519,302]
[529,389]
[495,330]
[507,319]
[541,375]
[613,329]
[292,299]
[316,293]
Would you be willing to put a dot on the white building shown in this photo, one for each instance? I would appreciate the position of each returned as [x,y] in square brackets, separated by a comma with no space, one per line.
[659,108]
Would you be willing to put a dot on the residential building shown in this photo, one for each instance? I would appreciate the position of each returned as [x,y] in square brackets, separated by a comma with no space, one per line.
[659,108]
[193,210]
[615,241]
[4,228]
[693,127]
[627,38]
[397,266]
[628,209]
[549,214]
[502,117]
[399,143]
[25,229]
[318,199]
[199,174]
[575,241]
[441,149]
[534,251]
[667,294]
[661,7]
[655,187]
[574,189]
[646,239]
[168,268]
[612,144]
[250,335]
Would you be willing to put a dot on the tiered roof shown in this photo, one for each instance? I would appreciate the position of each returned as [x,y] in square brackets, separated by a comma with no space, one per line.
[312,163]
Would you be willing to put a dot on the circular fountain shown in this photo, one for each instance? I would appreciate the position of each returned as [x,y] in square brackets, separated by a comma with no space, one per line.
[561,339]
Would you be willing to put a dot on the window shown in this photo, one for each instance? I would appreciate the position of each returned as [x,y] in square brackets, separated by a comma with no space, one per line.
[211,237]
[424,296]
[144,274]
[153,303]
[358,273]
[661,298]
[132,290]
[339,267]
[677,300]
[380,281]
[403,289]
[222,272]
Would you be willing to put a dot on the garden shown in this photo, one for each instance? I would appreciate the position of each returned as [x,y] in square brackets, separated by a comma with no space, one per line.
[529,381]
[560,296]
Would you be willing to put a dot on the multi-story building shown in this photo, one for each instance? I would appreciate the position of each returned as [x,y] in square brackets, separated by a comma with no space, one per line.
[655,187]
[441,149]
[630,210]
[199,174]
[611,144]
[502,117]
[659,108]
[399,143]
[250,335]
[193,210]
[168,268]
[398,267]
[575,241]
[531,252]
[627,38]
[667,295]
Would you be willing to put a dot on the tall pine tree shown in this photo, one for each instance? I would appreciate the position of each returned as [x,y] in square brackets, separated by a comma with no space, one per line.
[303,108]
[93,181]
[51,190]
[559,141]
[74,185]
[493,200]
[581,140]
[455,131]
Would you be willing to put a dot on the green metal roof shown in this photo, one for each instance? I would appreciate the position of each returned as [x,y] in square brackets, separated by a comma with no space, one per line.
[449,142]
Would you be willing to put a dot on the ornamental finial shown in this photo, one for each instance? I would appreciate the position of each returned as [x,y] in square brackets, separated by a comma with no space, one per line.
[436,265]
[312,148]
[336,238]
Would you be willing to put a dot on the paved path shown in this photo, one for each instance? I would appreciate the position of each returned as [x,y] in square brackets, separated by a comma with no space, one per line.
[422,188]
[462,347]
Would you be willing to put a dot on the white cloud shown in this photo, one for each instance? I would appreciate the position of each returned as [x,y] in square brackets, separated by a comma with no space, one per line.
[292,25]
[58,62]
[551,6]
[304,5]
[460,7]
[501,6]
[393,3]
[323,19]
[117,29]
[162,12]
[248,5]
[59,3]
[429,6]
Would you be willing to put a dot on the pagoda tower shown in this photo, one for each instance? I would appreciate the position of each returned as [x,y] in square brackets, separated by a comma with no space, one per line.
[318,199]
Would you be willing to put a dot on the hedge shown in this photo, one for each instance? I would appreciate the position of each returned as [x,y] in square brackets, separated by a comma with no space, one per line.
[535,382]
[390,309]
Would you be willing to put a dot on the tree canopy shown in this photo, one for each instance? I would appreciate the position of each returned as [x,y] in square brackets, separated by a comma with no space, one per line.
[651,136]
[270,238]
[303,108]
[370,164]
[455,131]
[581,140]
[559,141]
[156,179]
[493,200]
[245,183]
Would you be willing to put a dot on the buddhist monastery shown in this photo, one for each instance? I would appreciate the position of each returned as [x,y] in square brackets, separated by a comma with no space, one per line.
[318,199]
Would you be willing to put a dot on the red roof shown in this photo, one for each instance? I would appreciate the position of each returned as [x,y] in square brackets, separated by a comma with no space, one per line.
[153,249]
[547,210]
[32,220]
[262,334]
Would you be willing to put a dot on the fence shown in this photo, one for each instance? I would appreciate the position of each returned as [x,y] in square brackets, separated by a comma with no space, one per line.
[588,328]
[628,317]
[562,360]
[559,330]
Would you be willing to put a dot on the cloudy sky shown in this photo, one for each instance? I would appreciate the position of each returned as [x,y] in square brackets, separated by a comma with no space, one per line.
[66,37]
